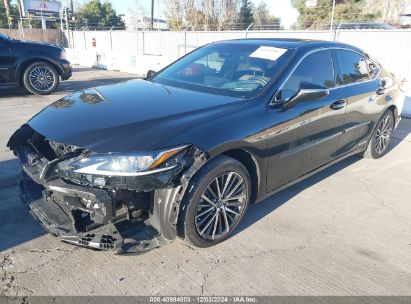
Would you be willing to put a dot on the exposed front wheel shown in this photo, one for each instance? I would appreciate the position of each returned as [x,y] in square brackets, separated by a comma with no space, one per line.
[41,78]
[216,202]
[381,137]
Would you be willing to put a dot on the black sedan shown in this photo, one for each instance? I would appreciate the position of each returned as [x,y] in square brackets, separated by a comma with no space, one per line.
[184,152]
[36,66]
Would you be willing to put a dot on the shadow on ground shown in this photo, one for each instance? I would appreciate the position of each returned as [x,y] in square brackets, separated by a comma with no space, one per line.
[16,224]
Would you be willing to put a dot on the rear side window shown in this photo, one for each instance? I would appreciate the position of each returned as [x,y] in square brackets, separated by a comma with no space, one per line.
[316,68]
[353,67]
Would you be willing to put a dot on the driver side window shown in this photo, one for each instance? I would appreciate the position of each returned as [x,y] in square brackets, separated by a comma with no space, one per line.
[316,68]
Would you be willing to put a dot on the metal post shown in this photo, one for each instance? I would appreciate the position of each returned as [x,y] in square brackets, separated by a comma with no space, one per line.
[144,51]
[185,41]
[67,28]
[332,16]
[246,30]
[158,15]
[43,22]
[152,14]
[111,39]
[21,20]
[61,27]
[85,41]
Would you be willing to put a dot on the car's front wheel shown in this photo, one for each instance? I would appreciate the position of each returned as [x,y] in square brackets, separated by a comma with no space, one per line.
[217,198]
[380,140]
[41,78]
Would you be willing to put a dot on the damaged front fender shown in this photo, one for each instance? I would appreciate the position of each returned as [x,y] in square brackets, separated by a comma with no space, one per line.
[137,217]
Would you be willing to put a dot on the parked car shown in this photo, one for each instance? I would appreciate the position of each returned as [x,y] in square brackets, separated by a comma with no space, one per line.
[364,26]
[36,66]
[184,152]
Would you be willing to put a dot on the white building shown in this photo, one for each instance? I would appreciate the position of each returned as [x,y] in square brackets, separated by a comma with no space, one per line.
[138,22]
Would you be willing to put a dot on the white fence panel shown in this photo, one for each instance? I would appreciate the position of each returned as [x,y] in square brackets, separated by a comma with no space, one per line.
[318,35]
[164,43]
[391,48]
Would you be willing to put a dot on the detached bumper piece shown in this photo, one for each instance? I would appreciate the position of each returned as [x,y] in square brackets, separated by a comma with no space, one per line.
[63,220]
[123,220]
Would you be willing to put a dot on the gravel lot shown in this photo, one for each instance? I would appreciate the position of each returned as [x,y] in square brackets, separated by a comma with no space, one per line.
[344,231]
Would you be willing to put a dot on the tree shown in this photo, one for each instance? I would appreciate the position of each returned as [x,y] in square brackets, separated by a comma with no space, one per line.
[202,14]
[229,14]
[263,20]
[7,9]
[174,14]
[246,14]
[95,15]
[319,17]
[8,14]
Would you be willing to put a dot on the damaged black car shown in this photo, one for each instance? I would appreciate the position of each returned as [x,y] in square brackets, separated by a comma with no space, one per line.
[131,166]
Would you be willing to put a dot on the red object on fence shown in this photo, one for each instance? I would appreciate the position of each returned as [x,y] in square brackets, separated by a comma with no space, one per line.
[93,42]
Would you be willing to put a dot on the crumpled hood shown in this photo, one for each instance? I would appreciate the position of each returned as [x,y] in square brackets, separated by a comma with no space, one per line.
[131,116]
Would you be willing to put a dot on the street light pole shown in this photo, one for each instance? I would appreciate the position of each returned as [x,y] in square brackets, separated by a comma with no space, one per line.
[152,14]
[332,15]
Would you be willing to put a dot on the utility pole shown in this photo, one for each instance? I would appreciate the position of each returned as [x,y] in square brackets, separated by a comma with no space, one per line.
[152,14]
[332,16]
[7,7]
[67,27]
[21,19]
[158,15]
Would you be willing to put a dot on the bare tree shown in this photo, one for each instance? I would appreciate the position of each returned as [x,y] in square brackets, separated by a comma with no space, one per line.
[8,15]
[174,14]
[228,13]
[202,14]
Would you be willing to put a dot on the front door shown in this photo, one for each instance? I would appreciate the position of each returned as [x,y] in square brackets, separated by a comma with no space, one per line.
[5,61]
[310,131]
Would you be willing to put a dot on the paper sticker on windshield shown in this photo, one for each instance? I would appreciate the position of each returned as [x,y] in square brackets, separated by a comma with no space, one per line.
[268,52]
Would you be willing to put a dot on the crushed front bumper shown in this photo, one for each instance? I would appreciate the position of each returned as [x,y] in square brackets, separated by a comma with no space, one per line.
[102,218]
[57,217]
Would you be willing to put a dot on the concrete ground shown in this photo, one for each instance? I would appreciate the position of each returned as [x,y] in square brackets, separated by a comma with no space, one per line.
[344,231]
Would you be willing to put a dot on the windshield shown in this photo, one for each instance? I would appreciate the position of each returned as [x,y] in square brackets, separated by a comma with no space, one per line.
[241,70]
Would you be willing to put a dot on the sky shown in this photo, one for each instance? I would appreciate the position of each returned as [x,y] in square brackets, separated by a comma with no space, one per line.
[279,8]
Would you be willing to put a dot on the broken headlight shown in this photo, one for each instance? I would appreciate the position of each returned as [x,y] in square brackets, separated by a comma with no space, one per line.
[125,164]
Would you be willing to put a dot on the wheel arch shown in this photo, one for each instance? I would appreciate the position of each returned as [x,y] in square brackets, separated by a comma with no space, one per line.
[251,164]
[394,110]
[24,65]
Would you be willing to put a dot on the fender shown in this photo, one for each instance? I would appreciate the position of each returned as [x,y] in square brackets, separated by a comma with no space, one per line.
[31,57]
[239,149]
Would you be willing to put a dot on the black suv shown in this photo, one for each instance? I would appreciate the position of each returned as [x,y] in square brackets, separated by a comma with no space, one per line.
[36,66]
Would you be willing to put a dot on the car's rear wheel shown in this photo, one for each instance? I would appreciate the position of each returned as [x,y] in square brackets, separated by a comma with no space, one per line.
[41,78]
[380,140]
[216,201]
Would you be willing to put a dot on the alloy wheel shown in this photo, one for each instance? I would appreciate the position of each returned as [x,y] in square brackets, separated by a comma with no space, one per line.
[221,206]
[383,134]
[41,78]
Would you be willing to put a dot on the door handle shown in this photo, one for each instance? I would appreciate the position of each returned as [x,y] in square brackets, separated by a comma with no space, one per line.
[380,91]
[339,104]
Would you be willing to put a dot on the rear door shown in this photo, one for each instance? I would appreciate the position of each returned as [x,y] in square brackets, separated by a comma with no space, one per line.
[312,129]
[359,84]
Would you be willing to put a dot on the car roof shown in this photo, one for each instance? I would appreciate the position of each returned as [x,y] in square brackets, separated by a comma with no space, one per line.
[291,43]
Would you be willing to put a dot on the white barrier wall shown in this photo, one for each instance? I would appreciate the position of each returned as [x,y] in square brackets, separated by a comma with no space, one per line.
[138,52]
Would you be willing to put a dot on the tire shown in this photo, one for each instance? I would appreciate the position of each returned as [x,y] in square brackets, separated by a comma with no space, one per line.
[41,78]
[194,217]
[380,139]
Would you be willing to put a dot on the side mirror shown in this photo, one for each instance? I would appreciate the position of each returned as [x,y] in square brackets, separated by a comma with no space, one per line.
[307,92]
[150,73]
